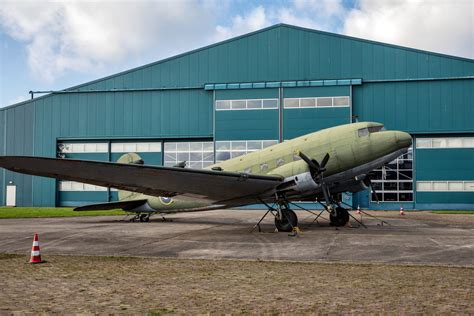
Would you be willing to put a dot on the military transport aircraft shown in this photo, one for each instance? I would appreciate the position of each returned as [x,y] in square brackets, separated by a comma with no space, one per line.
[316,166]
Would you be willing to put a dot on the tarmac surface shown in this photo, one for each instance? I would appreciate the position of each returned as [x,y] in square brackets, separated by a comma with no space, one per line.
[417,237]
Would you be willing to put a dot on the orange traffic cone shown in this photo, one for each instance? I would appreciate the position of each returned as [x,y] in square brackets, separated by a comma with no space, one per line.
[402,212]
[358,210]
[35,251]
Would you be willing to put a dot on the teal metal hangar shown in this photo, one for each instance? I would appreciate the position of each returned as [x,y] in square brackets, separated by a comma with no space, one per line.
[249,92]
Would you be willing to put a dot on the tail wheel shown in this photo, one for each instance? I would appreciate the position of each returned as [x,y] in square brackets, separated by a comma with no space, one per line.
[339,217]
[287,222]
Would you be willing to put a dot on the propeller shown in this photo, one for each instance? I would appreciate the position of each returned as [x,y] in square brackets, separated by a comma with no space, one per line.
[316,169]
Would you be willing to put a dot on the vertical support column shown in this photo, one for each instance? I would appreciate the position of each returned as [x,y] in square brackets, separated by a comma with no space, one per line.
[280,114]
[350,105]
[109,158]
[214,122]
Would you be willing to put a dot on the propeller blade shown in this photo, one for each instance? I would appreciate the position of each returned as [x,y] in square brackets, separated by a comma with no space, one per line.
[313,164]
[325,160]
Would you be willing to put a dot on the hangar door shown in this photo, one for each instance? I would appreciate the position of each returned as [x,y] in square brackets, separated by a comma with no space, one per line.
[70,193]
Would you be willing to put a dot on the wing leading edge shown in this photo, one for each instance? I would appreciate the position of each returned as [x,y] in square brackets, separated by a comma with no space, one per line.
[150,180]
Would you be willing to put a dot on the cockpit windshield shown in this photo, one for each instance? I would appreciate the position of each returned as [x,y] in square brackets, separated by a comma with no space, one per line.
[369,130]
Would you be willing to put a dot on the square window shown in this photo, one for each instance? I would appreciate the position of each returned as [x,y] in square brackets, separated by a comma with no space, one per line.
[208,146]
[270,104]
[468,142]
[143,147]
[170,156]
[77,186]
[405,197]
[222,155]
[423,186]
[455,142]
[469,186]
[220,145]
[254,145]
[223,105]
[390,186]
[292,103]
[116,147]
[78,148]
[254,104]
[268,143]
[208,156]
[324,102]
[183,156]
[155,147]
[423,143]
[390,197]
[308,103]
[195,146]
[130,147]
[182,147]
[195,156]
[238,104]
[455,186]
[405,186]
[440,143]
[440,186]
[239,145]
[341,101]
[170,147]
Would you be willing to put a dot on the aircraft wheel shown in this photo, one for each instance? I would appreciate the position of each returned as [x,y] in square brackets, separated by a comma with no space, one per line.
[144,218]
[288,216]
[339,217]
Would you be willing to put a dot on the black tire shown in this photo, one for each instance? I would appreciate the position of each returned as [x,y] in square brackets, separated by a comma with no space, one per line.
[339,217]
[144,218]
[288,216]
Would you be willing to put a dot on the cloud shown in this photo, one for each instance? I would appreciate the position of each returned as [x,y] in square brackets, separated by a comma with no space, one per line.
[443,26]
[256,19]
[87,36]
[316,14]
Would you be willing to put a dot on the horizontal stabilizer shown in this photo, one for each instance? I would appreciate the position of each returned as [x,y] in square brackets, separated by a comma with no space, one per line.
[124,205]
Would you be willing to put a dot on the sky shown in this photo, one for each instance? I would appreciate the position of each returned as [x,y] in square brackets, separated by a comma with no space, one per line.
[53,45]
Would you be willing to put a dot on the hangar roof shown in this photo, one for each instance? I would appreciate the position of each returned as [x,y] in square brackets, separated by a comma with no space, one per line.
[285,52]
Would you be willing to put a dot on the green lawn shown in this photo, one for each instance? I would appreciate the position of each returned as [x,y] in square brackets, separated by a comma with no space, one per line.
[453,212]
[30,212]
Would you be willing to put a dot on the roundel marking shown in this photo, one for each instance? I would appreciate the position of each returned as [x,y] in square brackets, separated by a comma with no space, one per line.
[166,200]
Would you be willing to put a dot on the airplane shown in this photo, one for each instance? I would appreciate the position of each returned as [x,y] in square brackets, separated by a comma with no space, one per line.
[313,167]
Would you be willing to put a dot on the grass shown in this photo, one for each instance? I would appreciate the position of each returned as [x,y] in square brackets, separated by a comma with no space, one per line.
[34,212]
[453,212]
[114,285]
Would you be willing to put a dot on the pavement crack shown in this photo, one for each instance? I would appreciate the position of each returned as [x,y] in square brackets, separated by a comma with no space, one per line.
[332,243]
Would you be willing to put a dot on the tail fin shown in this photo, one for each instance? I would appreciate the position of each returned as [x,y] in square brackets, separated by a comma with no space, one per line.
[132,158]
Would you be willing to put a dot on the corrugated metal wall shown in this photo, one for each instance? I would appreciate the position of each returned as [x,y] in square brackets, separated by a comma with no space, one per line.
[418,107]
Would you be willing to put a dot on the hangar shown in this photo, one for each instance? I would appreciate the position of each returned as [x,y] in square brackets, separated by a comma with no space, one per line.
[249,92]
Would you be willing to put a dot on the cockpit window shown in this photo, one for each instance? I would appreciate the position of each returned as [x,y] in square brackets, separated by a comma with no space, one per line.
[363,132]
[369,130]
[375,129]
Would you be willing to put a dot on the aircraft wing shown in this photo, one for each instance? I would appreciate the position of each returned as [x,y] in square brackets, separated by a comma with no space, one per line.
[150,180]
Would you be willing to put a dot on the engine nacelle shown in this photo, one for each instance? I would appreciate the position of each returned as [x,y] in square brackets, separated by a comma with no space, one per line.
[302,182]
[357,185]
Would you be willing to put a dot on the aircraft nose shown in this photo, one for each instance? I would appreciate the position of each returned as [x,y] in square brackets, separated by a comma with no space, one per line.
[403,139]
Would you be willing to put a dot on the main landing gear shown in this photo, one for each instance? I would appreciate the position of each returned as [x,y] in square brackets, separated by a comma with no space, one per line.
[287,220]
[141,217]
[338,217]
